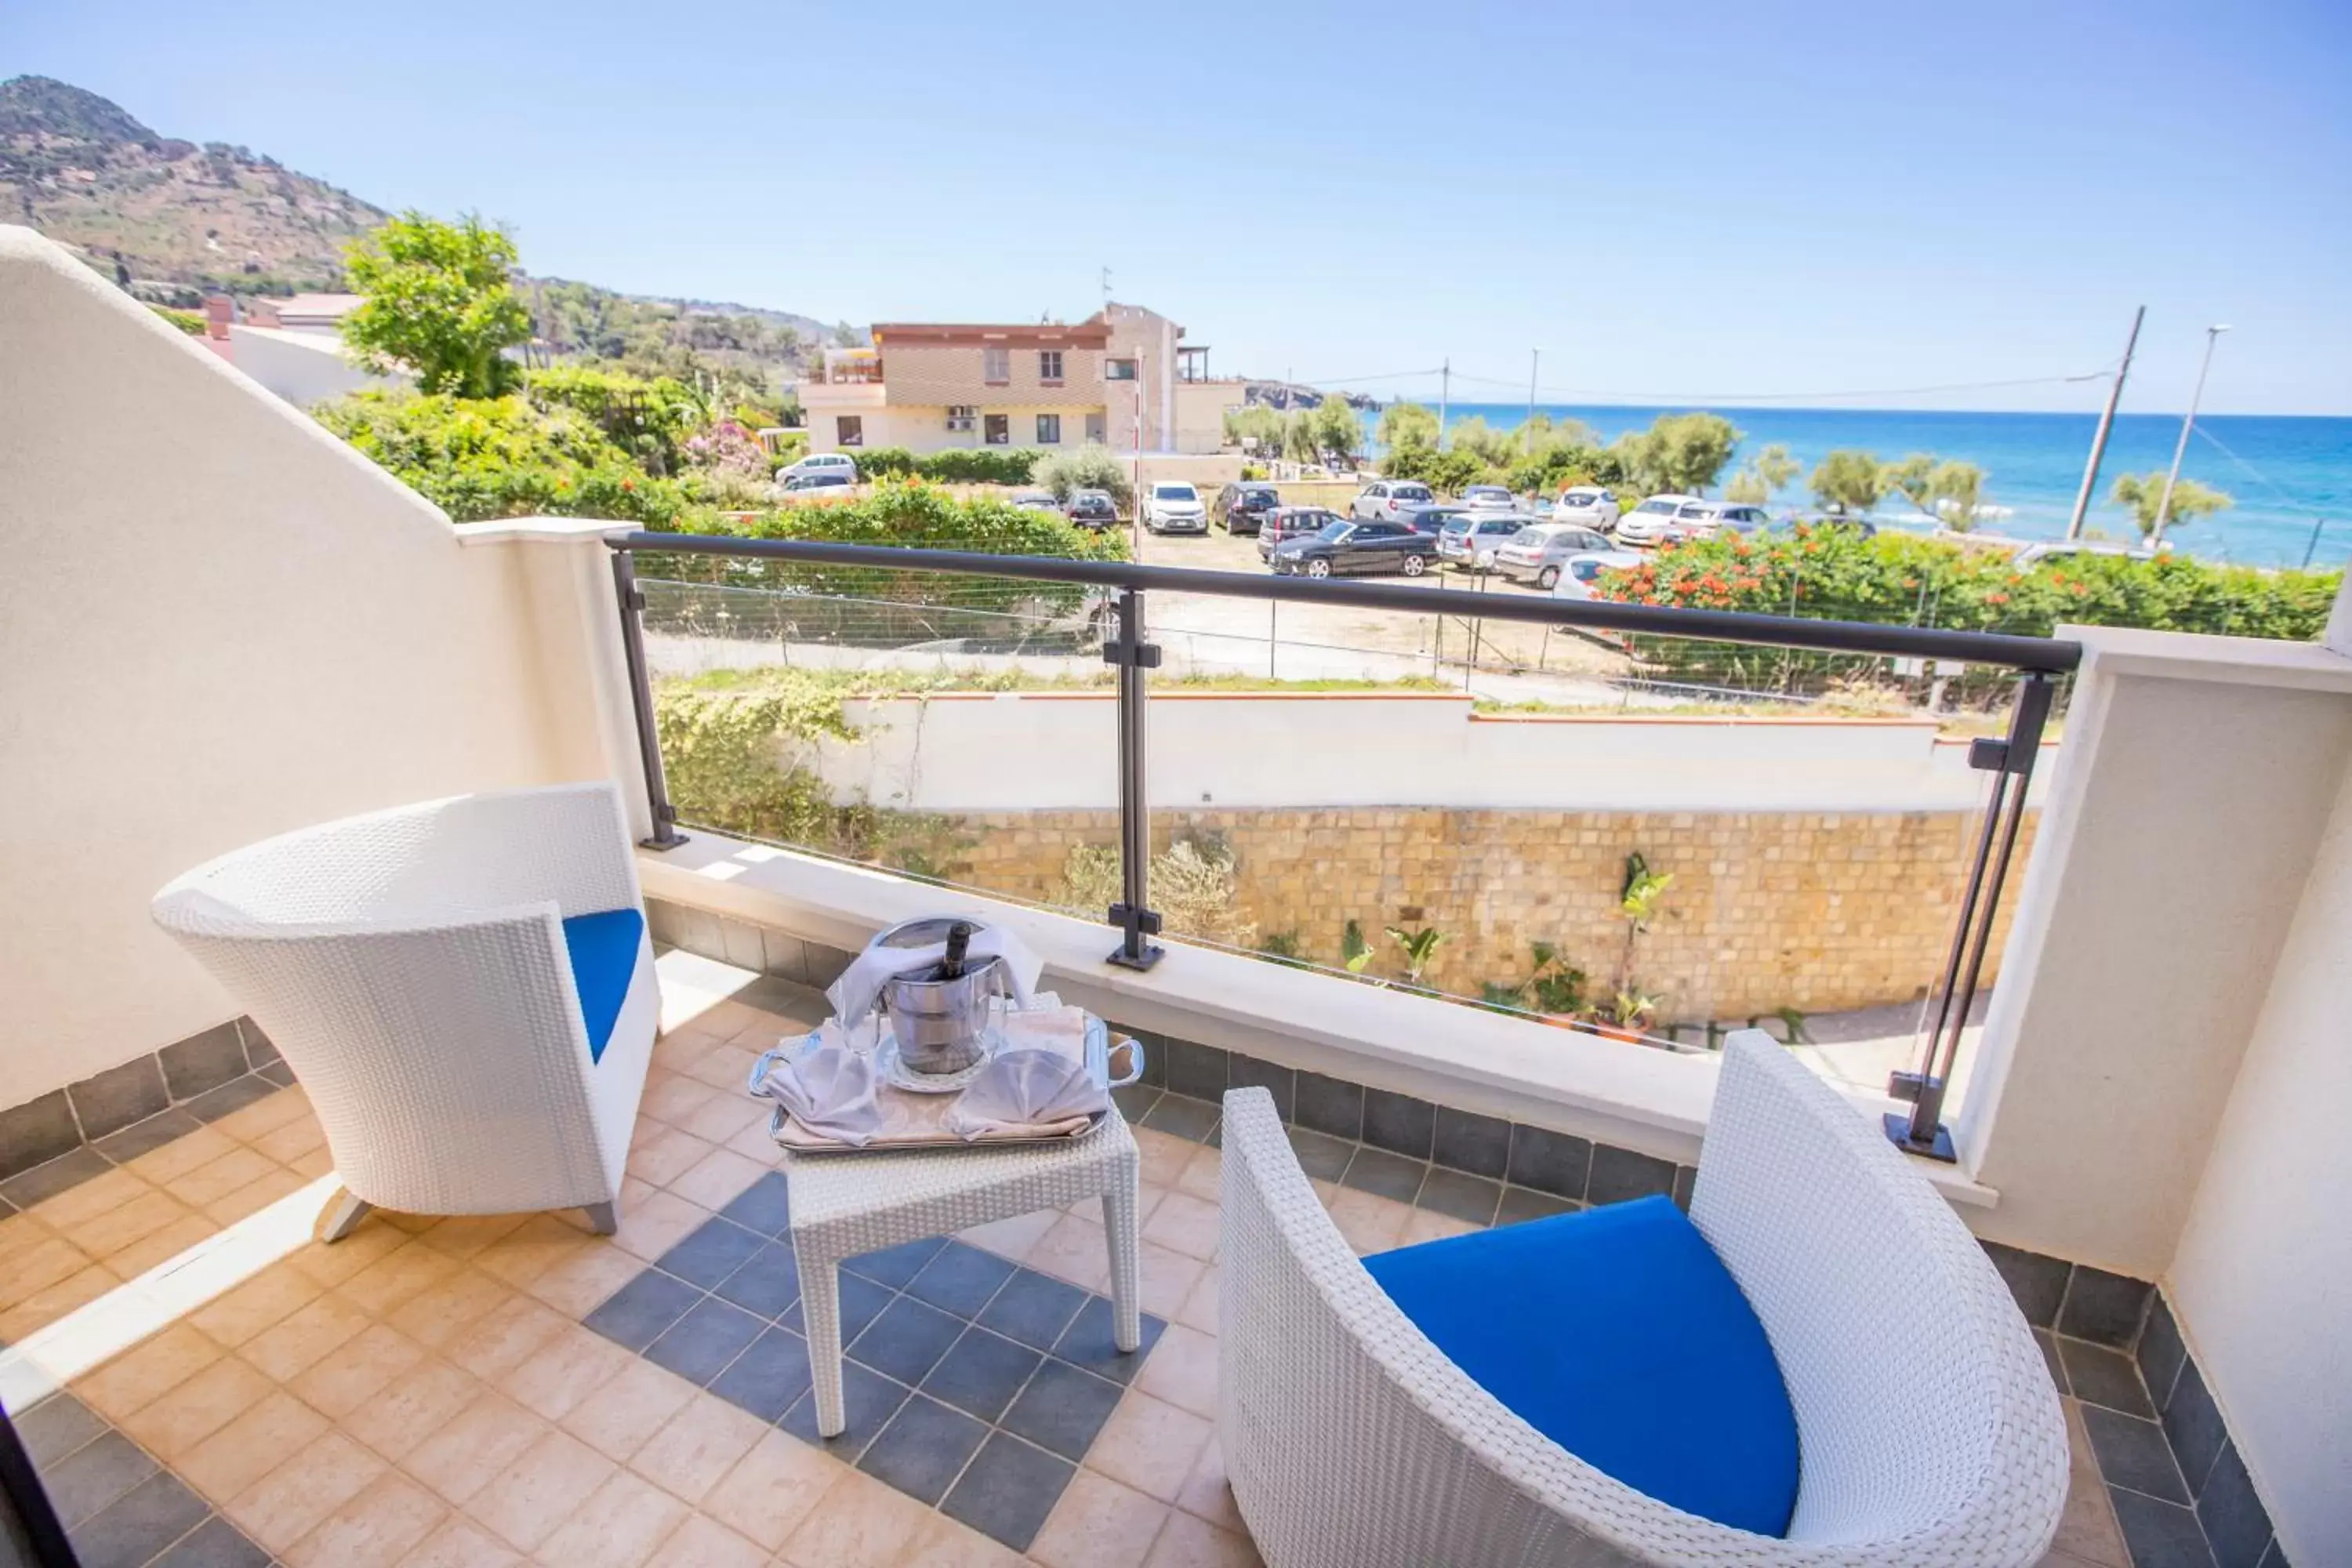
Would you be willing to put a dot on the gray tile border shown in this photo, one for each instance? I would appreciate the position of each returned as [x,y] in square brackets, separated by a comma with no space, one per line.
[204,1061]
[2160,1534]
[2099,1375]
[1384,1174]
[1460,1195]
[1465,1140]
[35,1133]
[2193,1423]
[1196,1071]
[1400,1123]
[1281,1083]
[1548,1162]
[2038,1283]
[1620,1175]
[113,1100]
[2133,1455]
[70,1169]
[2236,1526]
[1331,1106]
[1192,1120]
[2105,1308]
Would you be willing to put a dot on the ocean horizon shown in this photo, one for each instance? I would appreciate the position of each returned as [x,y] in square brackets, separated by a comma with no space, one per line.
[2289,476]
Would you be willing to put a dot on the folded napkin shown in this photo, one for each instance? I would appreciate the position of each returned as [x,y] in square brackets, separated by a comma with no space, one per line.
[829,1089]
[853,995]
[1026,1093]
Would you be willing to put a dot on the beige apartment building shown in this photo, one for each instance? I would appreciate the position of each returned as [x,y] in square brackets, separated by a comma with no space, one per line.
[1123,377]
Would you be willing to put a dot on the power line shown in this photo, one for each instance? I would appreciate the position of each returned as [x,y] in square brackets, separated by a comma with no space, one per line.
[2285,496]
[1652,399]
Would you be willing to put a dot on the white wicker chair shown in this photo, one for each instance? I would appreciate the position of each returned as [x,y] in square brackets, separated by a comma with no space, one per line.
[411,965]
[1929,1430]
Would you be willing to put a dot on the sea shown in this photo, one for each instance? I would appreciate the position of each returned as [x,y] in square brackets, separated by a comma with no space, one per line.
[2290,477]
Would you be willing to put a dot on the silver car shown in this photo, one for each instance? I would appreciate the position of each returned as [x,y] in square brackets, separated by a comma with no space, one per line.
[1538,554]
[1471,539]
[1385,501]
[1588,505]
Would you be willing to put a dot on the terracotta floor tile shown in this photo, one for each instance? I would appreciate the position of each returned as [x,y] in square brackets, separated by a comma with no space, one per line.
[76,1206]
[435,1316]
[553,1379]
[1166,1278]
[1074,1249]
[312,1166]
[671,1097]
[1371,1224]
[147,1371]
[654,1222]
[291,1500]
[698,1447]
[400,1275]
[728,1067]
[419,1403]
[718,1179]
[1203,1175]
[1011,1237]
[1199,1308]
[288,1348]
[727,1114]
[467,1235]
[45,1306]
[945,1543]
[162,1246]
[667,1155]
[267,1299]
[375,1530]
[1099,1524]
[479,1442]
[48,1262]
[583,1282]
[218,1178]
[1186,1224]
[1207,1495]
[350,1376]
[1428,1224]
[1164,1155]
[532,1498]
[166,1163]
[256,1195]
[134,1221]
[754,1142]
[1150,1444]
[773,1488]
[462,1543]
[294,1139]
[619,1526]
[250,1447]
[332,1265]
[1182,1370]
[619,1419]
[529,1251]
[266,1115]
[504,1337]
[703,1542]
[1190,1542]
[1148,1197]
[860,1523]
[199,1407]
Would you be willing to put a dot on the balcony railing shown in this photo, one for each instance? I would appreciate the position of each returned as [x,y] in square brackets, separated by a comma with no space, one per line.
[860,371]
[778,605]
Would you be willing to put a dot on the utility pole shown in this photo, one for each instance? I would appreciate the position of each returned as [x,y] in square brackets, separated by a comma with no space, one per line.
[2106,424]
[1527,431]
[1445,394]
[2187,423]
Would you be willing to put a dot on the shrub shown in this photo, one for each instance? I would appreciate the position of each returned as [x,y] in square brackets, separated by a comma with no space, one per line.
[649,420]
[1089,468]
[1193,884]
[189,321]
[956,465]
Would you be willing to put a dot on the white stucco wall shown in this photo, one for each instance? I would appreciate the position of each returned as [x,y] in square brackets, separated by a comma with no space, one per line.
[302,367]
[219,624]
[2263,1282]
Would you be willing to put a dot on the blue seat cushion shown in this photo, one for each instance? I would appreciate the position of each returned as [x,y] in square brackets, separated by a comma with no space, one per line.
[603,948]
[1619,1335]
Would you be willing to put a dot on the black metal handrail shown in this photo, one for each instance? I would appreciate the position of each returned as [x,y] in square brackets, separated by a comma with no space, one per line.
[2011,760]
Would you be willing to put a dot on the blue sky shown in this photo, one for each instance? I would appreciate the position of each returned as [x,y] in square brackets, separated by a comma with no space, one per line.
[1692,200]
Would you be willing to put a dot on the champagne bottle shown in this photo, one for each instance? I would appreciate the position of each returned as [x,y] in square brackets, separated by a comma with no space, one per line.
[959,941]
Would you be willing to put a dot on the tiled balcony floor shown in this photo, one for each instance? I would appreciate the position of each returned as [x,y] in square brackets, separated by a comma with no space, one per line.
[510,1390]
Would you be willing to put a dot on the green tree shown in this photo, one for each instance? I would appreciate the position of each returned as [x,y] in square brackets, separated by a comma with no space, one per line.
[2191,501]
[1406,424]
[1300,443]
[1254,424]
[1847,482]
[1682,453]
[1748,488]
[1089,468]
[1339,428]
[1956,494]
[1491,447]
[440,300]
[1776,468]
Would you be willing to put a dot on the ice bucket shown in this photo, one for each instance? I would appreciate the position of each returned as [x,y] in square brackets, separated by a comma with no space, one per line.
[940,1025]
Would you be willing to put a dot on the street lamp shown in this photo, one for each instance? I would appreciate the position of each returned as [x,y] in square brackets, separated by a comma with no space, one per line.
[1527,433]
[2187,423]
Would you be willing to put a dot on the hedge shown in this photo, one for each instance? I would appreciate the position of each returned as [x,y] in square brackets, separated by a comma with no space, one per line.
[957,465]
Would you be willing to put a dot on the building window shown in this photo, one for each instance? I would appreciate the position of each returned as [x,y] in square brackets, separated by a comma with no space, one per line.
[849,430]
[1049,429]
[999,429]
[996,366]
[960,416]
[1049,366]
[1119,370]
[1095,430]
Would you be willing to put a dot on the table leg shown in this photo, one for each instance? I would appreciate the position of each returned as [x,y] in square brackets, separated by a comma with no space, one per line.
[821,1316]
[1119,1206]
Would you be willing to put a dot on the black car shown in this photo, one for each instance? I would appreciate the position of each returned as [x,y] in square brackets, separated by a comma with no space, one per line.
[1092,509]
[1431,519]
[1291,523]
[1242,507]
[1358,549]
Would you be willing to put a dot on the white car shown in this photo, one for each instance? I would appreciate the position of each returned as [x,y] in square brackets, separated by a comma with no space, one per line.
[840,463]
[1174,507]
[1705,518]
[1541,553]
[1579,572]
[1587,506]
[1488,497]
[1651,523]
[1387,500]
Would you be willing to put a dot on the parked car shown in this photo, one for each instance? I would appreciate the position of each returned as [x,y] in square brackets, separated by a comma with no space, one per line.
[818,479]
[1536,553]
[1589,505]
[1431,519]
[1036,501]
[1288,523]
[1488,497]
[1240,507]
[820,463]
[1092,509]
[1174,507]
[1345,547]
[1579,572]
[1705,518]
[1653,521]
[1471,539]
[1384,500]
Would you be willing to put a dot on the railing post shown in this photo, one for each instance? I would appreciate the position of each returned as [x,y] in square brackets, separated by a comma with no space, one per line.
[2011,761]
[632,599]
[1133,913]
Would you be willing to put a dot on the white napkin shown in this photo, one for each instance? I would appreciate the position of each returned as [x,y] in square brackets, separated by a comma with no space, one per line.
[829,1090]
[853,995]
[1024,1089]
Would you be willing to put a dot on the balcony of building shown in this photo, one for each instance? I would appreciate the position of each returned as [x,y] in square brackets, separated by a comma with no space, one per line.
[253,631]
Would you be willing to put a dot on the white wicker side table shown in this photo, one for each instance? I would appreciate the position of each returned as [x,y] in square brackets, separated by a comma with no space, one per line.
[844,1204]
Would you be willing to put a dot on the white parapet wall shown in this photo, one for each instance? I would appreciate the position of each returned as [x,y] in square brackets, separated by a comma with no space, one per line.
[1036,752]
